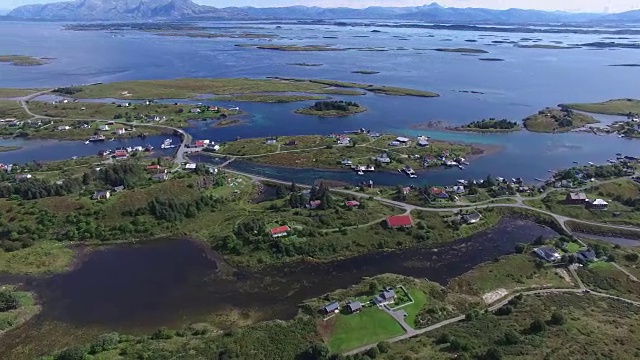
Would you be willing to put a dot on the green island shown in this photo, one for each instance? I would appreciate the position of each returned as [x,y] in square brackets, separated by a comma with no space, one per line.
[462,50]
[490,125]
[562,119]
[620,107]
[365,72]
[23,60]
[332,109]
[341,152]
[9,148]
[191,88]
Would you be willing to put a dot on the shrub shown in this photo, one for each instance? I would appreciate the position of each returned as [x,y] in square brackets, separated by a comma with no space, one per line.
[537,326]
[384,347]
[372,352]
[72,353]
[557,318]
[8,300]
[105,342]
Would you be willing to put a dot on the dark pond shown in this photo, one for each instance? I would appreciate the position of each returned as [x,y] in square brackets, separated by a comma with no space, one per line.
[140,288]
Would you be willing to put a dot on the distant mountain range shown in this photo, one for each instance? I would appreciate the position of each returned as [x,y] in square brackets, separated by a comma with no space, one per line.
[104,10]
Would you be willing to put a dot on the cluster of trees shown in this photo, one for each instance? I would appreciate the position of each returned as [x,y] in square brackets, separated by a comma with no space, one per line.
[176,209]
[492,123]
[127,174]
[70,90]
[334,105]
[8,301]
[320,193]
[35,188]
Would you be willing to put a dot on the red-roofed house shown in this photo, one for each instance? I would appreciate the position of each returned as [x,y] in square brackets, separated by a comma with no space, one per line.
[120,153]
[398,221]
[153,167]
[406,190]
[199,143]
[439,193]
[352,203]
[279,231]
[314,204]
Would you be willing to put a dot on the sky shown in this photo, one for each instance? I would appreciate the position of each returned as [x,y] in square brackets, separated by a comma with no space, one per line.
[605,6]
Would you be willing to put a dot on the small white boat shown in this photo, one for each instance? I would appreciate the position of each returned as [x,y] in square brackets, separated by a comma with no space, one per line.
[87,142]
[460,167]
[360,172]
[575,162]
[538,179]
[413,176]
[590,163]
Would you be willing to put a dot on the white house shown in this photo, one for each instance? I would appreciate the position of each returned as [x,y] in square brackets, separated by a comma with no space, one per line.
[120,131]
[104,128]
[64,128]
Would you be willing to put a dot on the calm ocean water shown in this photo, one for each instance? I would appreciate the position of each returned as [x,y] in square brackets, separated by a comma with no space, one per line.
[528,80]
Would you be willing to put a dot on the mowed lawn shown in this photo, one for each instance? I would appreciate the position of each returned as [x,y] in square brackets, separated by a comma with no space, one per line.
[370,326]
[573,247]
[419,301]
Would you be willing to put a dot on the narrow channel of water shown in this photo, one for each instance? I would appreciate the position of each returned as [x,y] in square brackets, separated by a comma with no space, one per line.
[140,288]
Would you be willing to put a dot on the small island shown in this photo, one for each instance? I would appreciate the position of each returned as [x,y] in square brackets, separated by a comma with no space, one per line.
[546,46]
[299,47]
[23,60]
[305,64]
[490,125]
[462,50]
[491,59]
[9,148]
[625,65]
[620,107]
[332,109]
[562,119]
[365,72]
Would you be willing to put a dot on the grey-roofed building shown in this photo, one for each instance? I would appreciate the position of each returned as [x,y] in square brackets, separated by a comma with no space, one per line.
[548,253]
[576,198]
[471,218]
[354,306]
[332,307]
[586,256]
[385,297]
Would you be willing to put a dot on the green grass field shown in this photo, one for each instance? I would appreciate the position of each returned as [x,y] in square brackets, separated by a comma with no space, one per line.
[573,247]
[620,107]
[419,301]
[371,325]
[603,276]
[10,109]
[12,93]
[42,258]
[509,272]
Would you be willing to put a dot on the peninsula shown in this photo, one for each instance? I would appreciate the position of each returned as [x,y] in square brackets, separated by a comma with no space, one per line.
[192,88]
[332,109]
[562,119]
[619,107]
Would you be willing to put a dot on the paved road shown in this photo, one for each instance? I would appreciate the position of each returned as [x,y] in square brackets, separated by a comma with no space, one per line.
[399,317]
[631,276]
[493,308]
[23,102]
[560,219]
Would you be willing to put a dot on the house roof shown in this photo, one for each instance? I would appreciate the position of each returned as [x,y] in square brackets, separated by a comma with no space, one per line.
[332,307]
[399,220]
[351,203]
[388,294]
[577,196]
[599,202]
[402,139]
[279,230]
[587,255]
[437,191]
[547,252]
[354,305]
[471,217]
[315,203]
[153,167]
